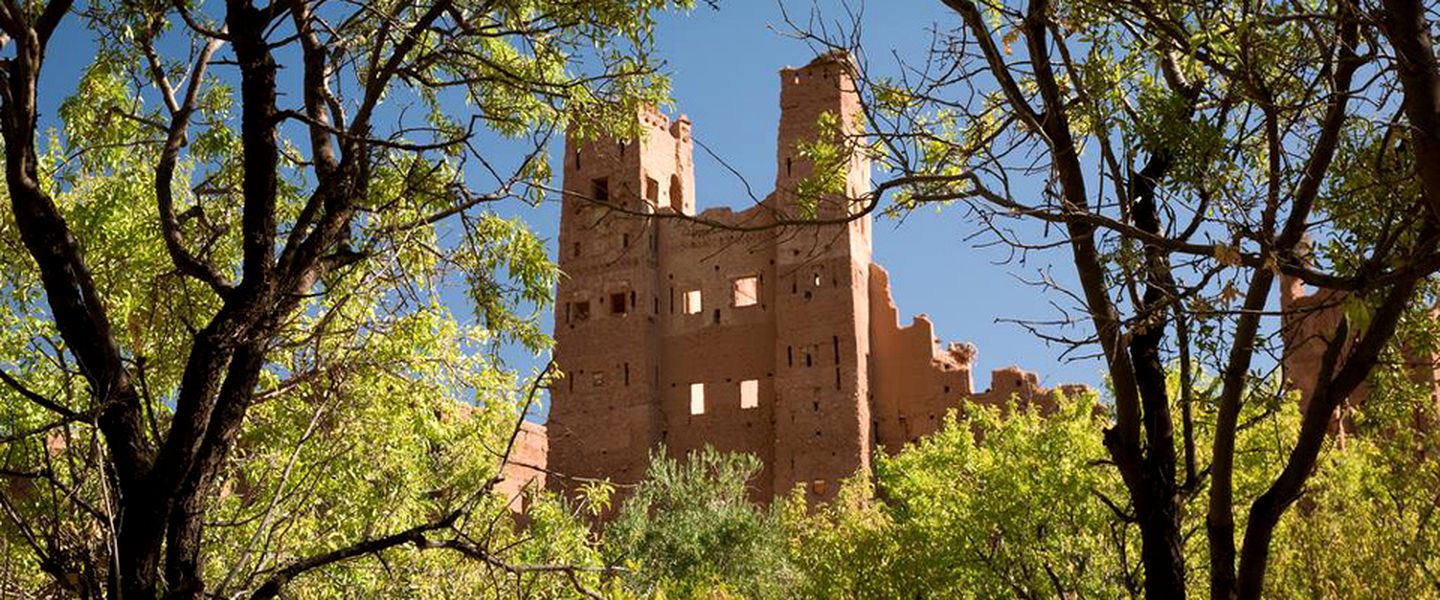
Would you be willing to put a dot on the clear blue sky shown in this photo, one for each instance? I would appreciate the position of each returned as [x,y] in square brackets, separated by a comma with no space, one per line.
[724,66]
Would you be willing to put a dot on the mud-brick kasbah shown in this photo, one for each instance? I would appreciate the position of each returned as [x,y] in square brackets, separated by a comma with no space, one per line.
[728,330]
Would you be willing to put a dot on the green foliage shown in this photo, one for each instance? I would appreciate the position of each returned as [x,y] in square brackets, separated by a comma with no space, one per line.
[380,406]
[689,530]
[1013,503]
[988,506]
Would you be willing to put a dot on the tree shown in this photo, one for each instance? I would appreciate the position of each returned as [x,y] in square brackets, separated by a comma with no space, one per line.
[237,243]
[1183,154]
[690,530]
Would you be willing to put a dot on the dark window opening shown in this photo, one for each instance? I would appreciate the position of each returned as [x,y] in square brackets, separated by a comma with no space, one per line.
[717,316]
[947,389]
[789,356]
[836,341]
[617,303]
[815,405]
[789,166]
[577,159]
[632,298]
[809,358]
[657,303]
[652,190]
[577,249]
[677,200]
[672,300]
[627,373]
[600,190]
[624,240]
[837,378]
[582,310]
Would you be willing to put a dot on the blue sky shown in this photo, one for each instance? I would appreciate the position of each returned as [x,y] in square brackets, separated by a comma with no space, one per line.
[724,66]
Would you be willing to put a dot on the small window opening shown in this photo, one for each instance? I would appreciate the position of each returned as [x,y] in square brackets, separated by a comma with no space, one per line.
[747,291]
[836,341]
[947,389]
[617,303]
[632,298]
[750,393]
[577,158]
[582,310]
[652,190]
[697,398]
[789,166]
[691,302]
[677,200]
[600,190]
[837,378]
[717,316]
[624,240]
[815,406]
[627,373]
[809,358]
[577,249]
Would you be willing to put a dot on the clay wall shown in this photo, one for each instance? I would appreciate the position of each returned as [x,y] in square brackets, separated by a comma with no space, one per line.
[526,467]
[915,381]
[823,425]
[732,329]
[722,343]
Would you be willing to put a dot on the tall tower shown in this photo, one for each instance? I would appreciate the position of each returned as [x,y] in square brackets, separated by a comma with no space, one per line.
[823,429]
[604,418]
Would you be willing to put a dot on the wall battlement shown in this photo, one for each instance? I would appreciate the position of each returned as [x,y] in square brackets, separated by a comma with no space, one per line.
[733,331]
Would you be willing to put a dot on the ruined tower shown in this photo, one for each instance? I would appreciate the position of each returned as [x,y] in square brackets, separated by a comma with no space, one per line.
[822,425]
[608,302]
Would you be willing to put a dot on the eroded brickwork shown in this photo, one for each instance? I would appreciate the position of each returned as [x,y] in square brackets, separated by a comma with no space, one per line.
[782,342]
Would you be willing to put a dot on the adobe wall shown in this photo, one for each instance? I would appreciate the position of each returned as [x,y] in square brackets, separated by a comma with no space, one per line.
[526,467]
[916,382]
[657,346]
[1308,321]
[721,344]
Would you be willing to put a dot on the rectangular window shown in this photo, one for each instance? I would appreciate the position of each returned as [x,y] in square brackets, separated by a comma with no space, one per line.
[747,291]
[600,190]
[692,302]
[697,398]
[750,393]
[652,190]
[617,303]
[582,310]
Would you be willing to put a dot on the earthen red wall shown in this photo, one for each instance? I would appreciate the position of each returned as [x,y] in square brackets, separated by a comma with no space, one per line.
[837,374]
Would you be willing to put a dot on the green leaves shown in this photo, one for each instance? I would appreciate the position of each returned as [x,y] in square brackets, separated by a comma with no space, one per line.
[690,531]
